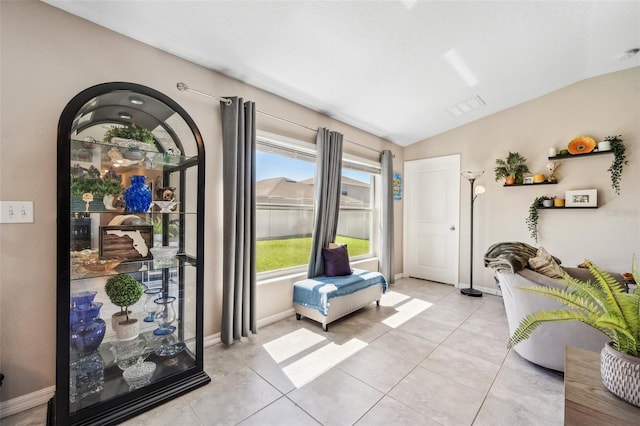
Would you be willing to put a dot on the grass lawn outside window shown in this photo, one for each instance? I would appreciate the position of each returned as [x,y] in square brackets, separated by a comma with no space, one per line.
[284,253]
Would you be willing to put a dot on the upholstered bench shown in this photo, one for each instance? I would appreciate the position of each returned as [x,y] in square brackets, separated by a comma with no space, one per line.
[326,299]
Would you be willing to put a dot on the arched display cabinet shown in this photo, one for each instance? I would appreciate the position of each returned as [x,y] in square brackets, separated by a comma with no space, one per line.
[104,377]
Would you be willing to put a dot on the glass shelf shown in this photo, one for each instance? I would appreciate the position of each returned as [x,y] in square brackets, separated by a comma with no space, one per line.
[109,154]
[76,210]
[114,383]
[78,272]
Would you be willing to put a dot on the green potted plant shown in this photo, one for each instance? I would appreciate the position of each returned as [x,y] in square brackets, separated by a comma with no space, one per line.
[130,131]
[123,290]
[90,180]
[606,306]
[102,188]
[85,180]
[619,161]
[512,169]
[534,215]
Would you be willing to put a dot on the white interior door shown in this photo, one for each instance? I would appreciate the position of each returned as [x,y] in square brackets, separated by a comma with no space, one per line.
[431,218]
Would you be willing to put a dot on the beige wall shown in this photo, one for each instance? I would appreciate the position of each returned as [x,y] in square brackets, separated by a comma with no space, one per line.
[48,56]
[601,106]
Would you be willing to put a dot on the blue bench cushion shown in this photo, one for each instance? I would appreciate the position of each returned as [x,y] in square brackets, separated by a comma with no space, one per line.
[316,292]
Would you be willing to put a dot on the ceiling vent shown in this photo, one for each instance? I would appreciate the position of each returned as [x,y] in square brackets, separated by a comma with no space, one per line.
[466,106]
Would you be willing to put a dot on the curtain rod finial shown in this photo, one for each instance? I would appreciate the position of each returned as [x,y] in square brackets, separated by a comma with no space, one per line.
[182,87]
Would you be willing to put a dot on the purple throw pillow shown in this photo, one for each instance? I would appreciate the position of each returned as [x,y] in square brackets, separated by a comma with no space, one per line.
[336,261]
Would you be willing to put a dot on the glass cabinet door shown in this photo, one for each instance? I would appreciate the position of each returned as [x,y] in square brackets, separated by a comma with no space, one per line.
[130,200]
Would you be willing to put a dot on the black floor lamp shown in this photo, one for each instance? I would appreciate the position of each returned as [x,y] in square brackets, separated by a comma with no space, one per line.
[472,176]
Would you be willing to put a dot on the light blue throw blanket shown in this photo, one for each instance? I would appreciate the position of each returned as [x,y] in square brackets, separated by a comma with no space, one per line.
[317,292]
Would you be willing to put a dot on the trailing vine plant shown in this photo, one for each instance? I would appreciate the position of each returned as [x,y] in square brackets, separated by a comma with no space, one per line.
[619,160]
[534,215]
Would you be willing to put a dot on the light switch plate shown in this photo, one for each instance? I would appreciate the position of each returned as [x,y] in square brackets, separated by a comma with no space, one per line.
[16,211]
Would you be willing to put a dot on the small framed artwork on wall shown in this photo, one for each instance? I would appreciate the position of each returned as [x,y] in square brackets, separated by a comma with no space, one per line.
[397,186]
[581,198]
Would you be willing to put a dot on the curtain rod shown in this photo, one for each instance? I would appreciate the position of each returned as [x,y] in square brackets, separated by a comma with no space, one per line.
[183,87]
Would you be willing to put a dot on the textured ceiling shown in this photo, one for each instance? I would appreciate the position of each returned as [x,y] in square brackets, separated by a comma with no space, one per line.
[387,66]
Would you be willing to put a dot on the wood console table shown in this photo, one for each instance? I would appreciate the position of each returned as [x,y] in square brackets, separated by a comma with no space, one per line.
[586,400]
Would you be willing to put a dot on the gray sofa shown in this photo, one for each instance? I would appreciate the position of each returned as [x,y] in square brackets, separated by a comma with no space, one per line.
[547,344]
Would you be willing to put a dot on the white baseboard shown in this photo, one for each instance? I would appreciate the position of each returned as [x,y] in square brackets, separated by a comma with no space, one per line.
[26,402]
[275,318]
[214,339]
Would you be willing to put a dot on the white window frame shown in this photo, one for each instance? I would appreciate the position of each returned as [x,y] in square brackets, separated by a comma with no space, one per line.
[296,147]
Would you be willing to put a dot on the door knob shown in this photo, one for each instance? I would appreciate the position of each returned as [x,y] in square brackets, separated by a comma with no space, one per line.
[452,228]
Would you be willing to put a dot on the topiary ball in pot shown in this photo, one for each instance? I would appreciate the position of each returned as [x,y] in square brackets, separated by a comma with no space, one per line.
[123,290]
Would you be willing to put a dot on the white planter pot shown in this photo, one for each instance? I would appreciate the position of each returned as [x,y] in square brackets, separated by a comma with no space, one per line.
[124,331]
[621,374]
[128,330]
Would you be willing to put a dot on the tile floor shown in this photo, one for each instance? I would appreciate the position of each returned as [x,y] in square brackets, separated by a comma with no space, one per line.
[426,356]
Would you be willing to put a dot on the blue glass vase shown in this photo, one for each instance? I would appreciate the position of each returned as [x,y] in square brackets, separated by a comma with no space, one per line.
[149,305]
[165,316]
[137,197]
[79,301]
[88,330]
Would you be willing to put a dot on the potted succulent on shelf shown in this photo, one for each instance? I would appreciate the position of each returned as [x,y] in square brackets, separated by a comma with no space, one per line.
[606,306]
[124,291]
[129,132]
[90,181]
[85,180]
[619,161]
[534,215]
[137,140]
[512,169]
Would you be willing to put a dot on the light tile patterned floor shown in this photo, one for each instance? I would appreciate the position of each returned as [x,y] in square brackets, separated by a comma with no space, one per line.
[441,361]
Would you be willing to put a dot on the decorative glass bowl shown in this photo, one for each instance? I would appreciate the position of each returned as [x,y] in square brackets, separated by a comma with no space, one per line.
[166,206]
[129,353]
[139,375]
[163,256]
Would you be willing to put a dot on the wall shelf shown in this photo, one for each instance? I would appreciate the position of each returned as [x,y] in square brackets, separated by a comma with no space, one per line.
[566,208]
[531,184]
[562,157]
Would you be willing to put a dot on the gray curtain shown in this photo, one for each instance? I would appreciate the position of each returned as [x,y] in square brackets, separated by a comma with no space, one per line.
[327,196]
[238,175]
[386,222]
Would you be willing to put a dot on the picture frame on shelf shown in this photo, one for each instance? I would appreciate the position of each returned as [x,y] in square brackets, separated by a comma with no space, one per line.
[581,198]
[528,180]
[130,243]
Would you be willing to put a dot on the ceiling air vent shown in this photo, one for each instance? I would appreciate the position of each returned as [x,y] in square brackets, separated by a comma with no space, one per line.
[466,106]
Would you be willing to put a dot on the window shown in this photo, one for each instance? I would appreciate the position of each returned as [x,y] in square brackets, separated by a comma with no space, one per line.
[357,207]
[285,171]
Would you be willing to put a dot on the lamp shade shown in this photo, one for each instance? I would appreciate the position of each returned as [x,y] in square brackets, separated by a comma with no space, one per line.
[472,175]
